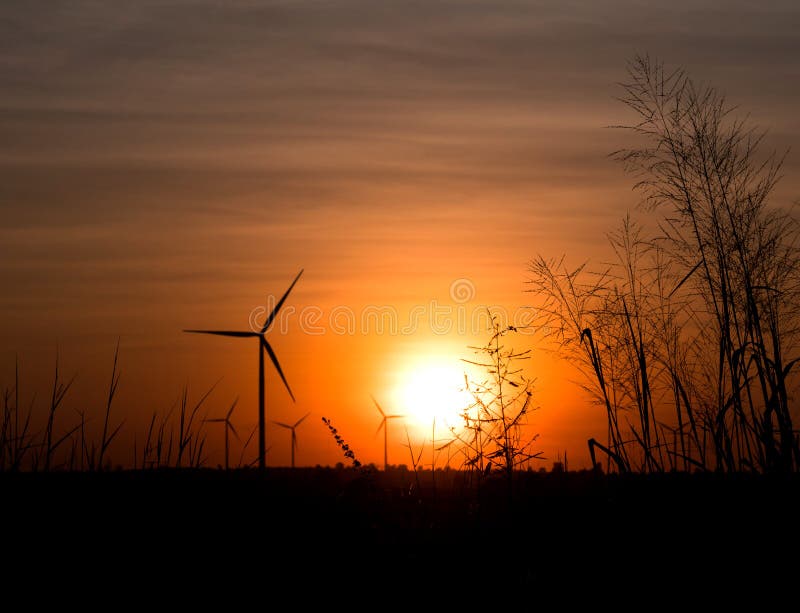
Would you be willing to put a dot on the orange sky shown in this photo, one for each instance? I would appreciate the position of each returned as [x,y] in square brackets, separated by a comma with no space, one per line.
[165,166]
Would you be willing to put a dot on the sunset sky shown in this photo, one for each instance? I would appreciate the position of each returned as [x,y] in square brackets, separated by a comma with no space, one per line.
[168,165]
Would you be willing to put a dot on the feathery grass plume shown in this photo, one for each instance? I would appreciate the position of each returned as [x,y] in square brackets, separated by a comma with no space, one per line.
[348,453]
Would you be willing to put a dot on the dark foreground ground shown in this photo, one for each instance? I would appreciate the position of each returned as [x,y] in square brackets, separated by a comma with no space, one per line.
[340,533]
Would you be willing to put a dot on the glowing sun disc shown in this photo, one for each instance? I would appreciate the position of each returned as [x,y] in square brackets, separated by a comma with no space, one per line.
[431,392]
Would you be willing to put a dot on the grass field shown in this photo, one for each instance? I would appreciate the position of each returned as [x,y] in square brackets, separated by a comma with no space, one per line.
[335,526]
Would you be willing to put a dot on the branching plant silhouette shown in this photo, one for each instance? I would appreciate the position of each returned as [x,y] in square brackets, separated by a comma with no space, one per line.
[494,434]
[689,339]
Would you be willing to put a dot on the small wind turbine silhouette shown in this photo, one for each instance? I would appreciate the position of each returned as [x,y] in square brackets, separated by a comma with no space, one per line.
[294,434]
[263,345]
[385,427]
[228,428]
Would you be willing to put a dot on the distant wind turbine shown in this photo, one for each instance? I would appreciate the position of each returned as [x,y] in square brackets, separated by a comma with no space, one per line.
[263,345]
[294,434]
[228,428]
[385,427]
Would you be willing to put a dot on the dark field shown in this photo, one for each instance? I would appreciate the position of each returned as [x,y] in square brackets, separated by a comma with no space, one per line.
[340,528]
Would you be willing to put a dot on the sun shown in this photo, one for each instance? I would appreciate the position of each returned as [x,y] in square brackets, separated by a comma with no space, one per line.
[433,391]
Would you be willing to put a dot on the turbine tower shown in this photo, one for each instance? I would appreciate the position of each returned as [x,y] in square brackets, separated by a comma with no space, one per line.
[294,434]
[228,428]
[385,427]
[263,346]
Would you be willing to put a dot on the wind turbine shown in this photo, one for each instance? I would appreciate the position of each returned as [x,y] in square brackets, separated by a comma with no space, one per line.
[263,345]
[385,427]
[294,434]
[228,427]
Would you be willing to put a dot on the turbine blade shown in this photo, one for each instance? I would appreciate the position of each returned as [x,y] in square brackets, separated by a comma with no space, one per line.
[383,423]
[281,424]
[232,429]
[280,304]
[274,359]
[300,421]
[235,333]
[394,416]
[233,406]
[215,420]
[377,405]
